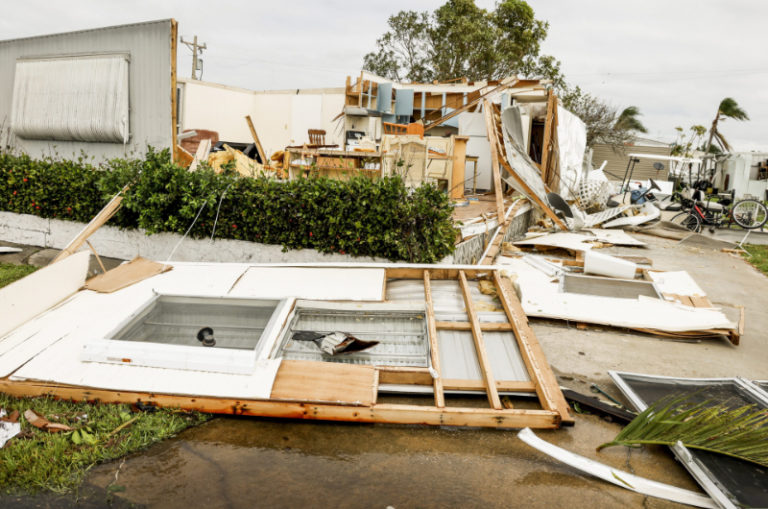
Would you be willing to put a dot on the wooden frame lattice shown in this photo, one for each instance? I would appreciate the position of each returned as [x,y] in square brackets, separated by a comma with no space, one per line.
[342,392]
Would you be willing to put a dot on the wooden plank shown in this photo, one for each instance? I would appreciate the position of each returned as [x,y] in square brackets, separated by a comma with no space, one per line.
[125,275]
[477,336]
[547,137]
[491,129]
[96,255]
[398,414]
[484,326]
[201,154]
[256,141]
[94,224]
[547,388]
[325,382]
[417,273]
[459,162]
[174,93]
[456,384]
[471,104]
[406,378]
[434,352]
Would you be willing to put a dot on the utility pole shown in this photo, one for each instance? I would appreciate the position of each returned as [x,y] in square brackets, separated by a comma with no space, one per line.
[197,49]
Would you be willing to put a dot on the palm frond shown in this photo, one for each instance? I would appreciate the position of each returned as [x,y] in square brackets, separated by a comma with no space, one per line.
[731,109]
[740,433]
[628,120]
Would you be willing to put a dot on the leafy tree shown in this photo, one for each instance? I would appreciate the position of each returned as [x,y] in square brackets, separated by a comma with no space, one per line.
[728,108]
[683,146]
[460,39]
[604,123]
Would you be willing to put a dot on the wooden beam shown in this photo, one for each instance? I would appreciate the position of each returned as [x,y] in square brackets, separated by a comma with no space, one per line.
[256,141]
[174,93]
[466,326]
[529,193]
[477,336]
[98,220]
[491,129]
[545,149]
[417,273]
[547,388]
[434,352]
[459,162]
[471,104]
[455,384]
[405,378]
[201,154]
[383,413]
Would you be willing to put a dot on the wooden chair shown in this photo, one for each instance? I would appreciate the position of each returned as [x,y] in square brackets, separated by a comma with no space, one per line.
[316,136]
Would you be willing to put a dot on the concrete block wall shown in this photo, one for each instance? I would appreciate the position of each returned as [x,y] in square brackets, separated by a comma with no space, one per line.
[114,242]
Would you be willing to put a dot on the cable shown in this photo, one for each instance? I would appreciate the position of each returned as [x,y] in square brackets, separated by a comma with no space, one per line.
[218,209]
[168,258]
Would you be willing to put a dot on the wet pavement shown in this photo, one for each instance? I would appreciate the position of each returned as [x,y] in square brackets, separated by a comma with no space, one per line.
[250,462]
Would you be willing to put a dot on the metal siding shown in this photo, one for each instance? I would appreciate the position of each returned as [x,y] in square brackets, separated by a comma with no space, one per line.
[458,358]
[617,162]
[149,45]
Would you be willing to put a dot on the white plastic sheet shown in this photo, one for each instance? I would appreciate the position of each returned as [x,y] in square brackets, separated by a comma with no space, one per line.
[572,140]
[77,98]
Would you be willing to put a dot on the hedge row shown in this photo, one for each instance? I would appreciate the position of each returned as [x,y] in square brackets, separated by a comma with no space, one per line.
[360,217]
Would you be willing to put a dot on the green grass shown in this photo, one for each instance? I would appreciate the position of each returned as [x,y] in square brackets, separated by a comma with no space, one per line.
[10,273]
[39,460]
[758,257]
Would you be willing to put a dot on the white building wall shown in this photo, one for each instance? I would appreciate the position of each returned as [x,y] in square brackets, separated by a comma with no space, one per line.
[281,118]
[216,108]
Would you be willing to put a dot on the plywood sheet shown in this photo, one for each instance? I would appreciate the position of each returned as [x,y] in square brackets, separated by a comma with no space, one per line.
[126,274]
[325,382]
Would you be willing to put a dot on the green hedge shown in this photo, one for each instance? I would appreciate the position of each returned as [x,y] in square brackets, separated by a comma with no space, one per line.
[360,217]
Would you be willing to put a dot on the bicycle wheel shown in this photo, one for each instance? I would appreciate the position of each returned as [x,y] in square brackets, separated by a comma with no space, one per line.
[688,221]
[749,214]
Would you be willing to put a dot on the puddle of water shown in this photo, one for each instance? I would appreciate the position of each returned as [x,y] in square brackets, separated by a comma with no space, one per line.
[248,462]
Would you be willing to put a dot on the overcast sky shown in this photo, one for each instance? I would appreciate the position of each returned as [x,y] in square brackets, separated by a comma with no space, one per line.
[675,60]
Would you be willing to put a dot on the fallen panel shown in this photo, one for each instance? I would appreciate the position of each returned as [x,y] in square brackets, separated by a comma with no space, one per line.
[126,274]
[646,213]
[542,296]
[614,476]
[37,292]
[608,287]
[616,237]
[731,482]
[311,283]
[563,240]
[604,215]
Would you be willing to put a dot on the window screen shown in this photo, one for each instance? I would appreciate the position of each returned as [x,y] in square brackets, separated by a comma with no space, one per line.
[75,98]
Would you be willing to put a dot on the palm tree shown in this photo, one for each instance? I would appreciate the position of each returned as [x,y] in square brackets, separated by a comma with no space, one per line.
[628,120]
[728,108]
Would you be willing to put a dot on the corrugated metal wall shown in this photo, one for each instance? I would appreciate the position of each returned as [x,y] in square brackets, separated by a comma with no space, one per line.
[149,46]
[617,162]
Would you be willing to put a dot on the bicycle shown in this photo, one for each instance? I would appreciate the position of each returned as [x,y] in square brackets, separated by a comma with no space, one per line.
[748,214]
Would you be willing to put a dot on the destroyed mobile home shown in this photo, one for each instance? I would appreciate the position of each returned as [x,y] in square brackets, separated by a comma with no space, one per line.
[435,331]
[331,341]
